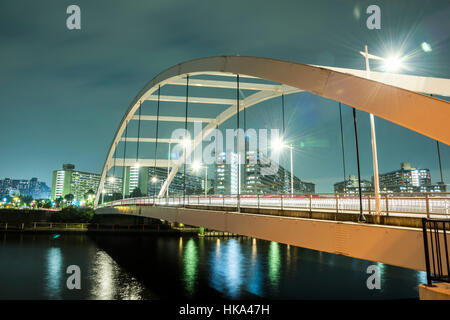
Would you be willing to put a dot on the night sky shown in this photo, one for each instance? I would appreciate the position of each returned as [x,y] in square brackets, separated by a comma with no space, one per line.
[63,92]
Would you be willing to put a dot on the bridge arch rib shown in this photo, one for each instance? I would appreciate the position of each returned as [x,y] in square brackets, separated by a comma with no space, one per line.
[401,105]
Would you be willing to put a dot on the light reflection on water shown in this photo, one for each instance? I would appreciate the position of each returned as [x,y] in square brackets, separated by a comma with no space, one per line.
[274,264]
[109,282]
[190,266]
[54,273]
[34,267]
[273,270]
[194,267]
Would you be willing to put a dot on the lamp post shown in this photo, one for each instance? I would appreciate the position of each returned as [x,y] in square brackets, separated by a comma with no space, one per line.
[278,147]
[154,181]
[292,171]
[168,169]
[374,142]
[391,64]
[197,166]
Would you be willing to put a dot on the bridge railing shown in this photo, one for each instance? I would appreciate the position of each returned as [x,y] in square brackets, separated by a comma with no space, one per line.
[430,205]
[436,249]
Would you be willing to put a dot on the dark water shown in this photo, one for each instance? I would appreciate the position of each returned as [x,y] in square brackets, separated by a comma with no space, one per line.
[167,267]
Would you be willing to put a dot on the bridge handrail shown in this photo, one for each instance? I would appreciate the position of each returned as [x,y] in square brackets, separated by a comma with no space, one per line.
[436,249]
[429,204]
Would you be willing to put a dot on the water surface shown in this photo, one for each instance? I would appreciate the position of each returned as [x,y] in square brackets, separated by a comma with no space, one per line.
[117,266]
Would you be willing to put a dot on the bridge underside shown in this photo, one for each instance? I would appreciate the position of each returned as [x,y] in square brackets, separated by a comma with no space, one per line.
[398,246]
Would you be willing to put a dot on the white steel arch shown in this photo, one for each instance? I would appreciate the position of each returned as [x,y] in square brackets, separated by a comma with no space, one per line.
[392,97]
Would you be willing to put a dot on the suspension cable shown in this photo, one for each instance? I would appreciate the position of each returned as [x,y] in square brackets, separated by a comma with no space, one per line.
[439,157]
[342,143]
[185,142]
[237,146]
[114,165]
[282,114]
[361,216]
[139,134]
[157,128]
[124,154]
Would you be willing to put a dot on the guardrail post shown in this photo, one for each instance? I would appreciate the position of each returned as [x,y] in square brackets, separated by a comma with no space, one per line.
[368,203]
[281,202]
[258,199]
[337,202]
[387,205]
[427,204]
[425,245]
[310,203]
[210,200]
[34,226]
[223,200]
[22,226]
[6,226]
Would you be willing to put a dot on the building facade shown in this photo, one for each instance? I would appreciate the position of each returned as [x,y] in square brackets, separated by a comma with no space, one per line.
[33,187]
[79,183]
[351,186]
[135,177]
[255,177]
[408,179]
[158,175]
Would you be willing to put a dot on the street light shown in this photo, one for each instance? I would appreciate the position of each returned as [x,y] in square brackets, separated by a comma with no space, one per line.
[186,142]
[278,145]
[197,166]
[393,64]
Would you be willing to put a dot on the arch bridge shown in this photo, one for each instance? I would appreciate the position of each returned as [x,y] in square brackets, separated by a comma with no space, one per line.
[400,99]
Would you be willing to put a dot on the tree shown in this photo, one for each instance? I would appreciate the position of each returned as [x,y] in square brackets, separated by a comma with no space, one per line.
[89,197]
[58,202]
[114,196]
[26,199]
[136,193]
[69,198]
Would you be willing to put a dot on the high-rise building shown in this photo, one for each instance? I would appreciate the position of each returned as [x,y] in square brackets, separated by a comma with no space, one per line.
[408,179]
[33,187]
[194,183]
[227,174]
[135,177]
[351,186]
[79,183]
[252,178]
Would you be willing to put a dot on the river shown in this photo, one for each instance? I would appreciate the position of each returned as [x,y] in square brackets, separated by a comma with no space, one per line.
[119,266]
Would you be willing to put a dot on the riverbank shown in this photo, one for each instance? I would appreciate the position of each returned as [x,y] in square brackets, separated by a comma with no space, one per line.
[62,227]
